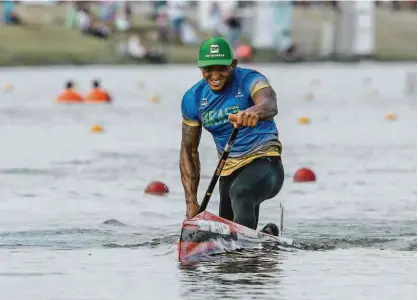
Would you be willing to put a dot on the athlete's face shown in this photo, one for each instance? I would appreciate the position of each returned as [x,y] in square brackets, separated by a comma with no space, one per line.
[218,76]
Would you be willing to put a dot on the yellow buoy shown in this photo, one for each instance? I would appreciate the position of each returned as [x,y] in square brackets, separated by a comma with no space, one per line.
[304,120]
[154,98]
[96,128]
[390,116]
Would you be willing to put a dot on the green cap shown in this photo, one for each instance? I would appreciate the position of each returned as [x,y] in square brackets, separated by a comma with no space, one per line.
[215,51]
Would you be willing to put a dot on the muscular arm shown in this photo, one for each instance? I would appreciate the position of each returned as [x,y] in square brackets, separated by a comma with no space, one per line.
[265,103]
[189,161]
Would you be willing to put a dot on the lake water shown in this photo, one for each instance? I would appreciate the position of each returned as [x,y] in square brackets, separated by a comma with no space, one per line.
[59,183]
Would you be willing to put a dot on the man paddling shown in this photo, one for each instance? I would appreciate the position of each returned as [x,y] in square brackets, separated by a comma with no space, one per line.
[254,171]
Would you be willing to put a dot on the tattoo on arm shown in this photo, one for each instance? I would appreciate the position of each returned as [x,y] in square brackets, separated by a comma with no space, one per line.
[265,101]
[189,161]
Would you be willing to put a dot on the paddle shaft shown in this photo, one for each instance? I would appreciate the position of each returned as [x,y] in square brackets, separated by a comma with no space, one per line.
[219,168]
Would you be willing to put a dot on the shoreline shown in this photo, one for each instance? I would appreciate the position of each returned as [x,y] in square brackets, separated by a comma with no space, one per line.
[406,63]
[97,52]
[132,62]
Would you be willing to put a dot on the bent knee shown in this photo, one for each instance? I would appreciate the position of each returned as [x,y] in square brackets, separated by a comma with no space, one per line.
[242,200]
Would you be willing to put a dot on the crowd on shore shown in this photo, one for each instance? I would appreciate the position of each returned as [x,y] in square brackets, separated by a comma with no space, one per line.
[173,23]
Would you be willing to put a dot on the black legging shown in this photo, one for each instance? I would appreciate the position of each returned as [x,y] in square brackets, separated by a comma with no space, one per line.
[242,192]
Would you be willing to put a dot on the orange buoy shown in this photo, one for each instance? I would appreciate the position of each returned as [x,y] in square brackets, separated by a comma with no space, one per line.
[391,117]
[304,175]
[304,120]
[244,52]
[154,98]
[156,188]
[7,88]
[69,95]
[96,129]
[97,94]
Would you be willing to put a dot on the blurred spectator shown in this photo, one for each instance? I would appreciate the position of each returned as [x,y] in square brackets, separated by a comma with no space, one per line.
[134,49]
[9,15]
[156,6]
[292,54]
[215,19]
[124,16]
[233,28]
[128,10]
[287,49]
[107,11]
[188,34]
[85,24]
[163,24]
[176,12]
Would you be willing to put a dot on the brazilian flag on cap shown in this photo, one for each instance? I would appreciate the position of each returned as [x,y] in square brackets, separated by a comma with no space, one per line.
[215,51]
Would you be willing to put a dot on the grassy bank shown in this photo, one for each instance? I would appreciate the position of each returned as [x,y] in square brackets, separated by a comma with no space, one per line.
[54,45]
[47,44]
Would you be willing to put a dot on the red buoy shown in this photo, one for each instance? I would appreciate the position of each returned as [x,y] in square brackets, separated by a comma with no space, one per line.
[304,175]
[156,188]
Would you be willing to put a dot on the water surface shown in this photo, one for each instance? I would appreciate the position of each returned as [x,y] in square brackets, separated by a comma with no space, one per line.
[75,223]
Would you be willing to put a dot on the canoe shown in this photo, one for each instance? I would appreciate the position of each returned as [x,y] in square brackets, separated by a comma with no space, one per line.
[207,234]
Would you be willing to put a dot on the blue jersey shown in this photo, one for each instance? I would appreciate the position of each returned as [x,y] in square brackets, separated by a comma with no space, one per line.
[202,106]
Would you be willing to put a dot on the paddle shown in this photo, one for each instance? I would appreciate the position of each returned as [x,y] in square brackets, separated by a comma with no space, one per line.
[220,166]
